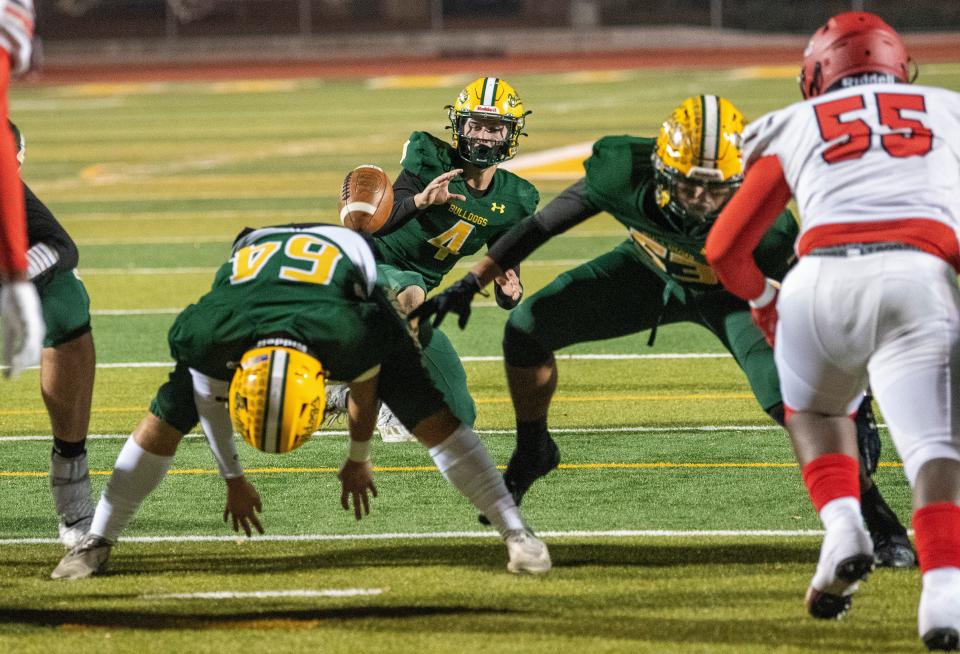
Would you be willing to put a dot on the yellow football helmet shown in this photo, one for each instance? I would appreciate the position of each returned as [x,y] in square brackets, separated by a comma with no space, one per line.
[277,397]
[487,99]
[698,161]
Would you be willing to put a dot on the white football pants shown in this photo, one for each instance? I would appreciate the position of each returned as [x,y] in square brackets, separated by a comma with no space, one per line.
[890,317]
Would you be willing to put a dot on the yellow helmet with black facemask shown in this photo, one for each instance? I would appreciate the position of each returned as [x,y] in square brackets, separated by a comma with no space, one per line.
[486,100]
[277,397]
[698,162]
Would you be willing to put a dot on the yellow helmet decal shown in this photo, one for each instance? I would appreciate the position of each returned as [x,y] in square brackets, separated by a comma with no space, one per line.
[490,95]
[702,139]
[277,398]
[488,98]
[699,144]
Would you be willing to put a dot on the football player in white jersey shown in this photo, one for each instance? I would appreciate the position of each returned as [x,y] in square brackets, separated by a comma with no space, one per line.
[874,165]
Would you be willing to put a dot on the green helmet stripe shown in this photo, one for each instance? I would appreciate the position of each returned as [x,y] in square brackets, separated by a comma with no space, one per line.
[273,411]
[489,95]
[710,129]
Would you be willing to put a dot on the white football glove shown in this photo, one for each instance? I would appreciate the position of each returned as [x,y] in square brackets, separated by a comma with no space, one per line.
[21,320]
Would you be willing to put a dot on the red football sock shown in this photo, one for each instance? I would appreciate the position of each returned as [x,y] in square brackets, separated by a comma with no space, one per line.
[831,476]
[937,534]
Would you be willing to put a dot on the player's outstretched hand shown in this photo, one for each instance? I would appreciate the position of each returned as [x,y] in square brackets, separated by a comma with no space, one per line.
[22,322]
[243,504]
[356,480]
[456,298]
[438,191]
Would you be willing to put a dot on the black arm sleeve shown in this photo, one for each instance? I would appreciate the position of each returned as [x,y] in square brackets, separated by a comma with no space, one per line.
[404,188]
[568,209]
[43,227]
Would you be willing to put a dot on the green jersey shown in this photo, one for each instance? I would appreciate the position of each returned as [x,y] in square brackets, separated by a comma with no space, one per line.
[315,285]
[620,181]
[433,240]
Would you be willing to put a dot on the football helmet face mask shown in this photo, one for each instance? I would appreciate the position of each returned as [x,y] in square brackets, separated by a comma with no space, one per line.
[487,120]
[850,44]
[277,398]
[698,162]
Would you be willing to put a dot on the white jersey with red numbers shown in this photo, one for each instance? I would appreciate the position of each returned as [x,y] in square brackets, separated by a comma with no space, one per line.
[878,162]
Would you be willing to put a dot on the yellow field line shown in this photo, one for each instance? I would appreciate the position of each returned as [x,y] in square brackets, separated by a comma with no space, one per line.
[653,465]
[491,400]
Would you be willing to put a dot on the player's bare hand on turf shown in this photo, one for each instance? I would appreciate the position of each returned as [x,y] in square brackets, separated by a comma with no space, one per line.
[243,504]
[456,298]
[356,479]
[438,190]
[509,284]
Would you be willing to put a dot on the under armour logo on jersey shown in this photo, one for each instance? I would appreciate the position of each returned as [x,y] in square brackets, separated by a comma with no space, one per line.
[498,207]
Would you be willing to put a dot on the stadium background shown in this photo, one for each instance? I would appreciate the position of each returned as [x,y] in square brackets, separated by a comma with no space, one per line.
[92,37]
[678,522]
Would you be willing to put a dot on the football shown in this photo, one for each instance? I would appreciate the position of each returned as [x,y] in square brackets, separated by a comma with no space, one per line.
[366,199]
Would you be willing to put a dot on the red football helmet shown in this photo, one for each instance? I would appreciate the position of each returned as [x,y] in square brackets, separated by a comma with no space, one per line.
[851,43]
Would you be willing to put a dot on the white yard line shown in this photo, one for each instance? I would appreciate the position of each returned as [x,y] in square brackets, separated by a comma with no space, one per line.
[617,533]
[579,151]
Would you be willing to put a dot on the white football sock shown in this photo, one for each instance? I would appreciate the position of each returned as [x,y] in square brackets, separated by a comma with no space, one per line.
[135,474]
[841,511]
[942,578]
[465,463]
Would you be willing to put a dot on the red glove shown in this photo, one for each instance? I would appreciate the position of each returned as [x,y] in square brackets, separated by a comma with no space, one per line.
[765,315]
[766,319]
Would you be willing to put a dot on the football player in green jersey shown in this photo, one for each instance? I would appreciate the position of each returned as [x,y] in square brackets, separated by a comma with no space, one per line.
[449,201]
[667,192]
[67,360]
[294,306]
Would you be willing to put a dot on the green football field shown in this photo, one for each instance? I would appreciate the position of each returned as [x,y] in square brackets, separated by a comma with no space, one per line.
[677,521]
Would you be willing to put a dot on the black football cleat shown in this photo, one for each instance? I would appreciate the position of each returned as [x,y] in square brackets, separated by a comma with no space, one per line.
[942,640]
[893,551]
[891,545]
[526,467]
[833,602]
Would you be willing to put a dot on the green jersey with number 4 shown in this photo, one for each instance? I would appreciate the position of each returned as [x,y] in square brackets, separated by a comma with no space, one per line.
[433,240]
[619,180]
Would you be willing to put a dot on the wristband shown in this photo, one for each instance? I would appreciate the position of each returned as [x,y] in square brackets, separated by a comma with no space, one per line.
[359,451]
[765,298]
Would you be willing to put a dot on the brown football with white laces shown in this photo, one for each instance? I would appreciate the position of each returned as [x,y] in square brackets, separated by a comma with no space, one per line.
[366,199]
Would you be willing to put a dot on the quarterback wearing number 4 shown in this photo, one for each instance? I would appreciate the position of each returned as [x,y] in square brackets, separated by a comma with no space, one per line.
[874,165]
[667,192]
[293,307]
[449,201]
